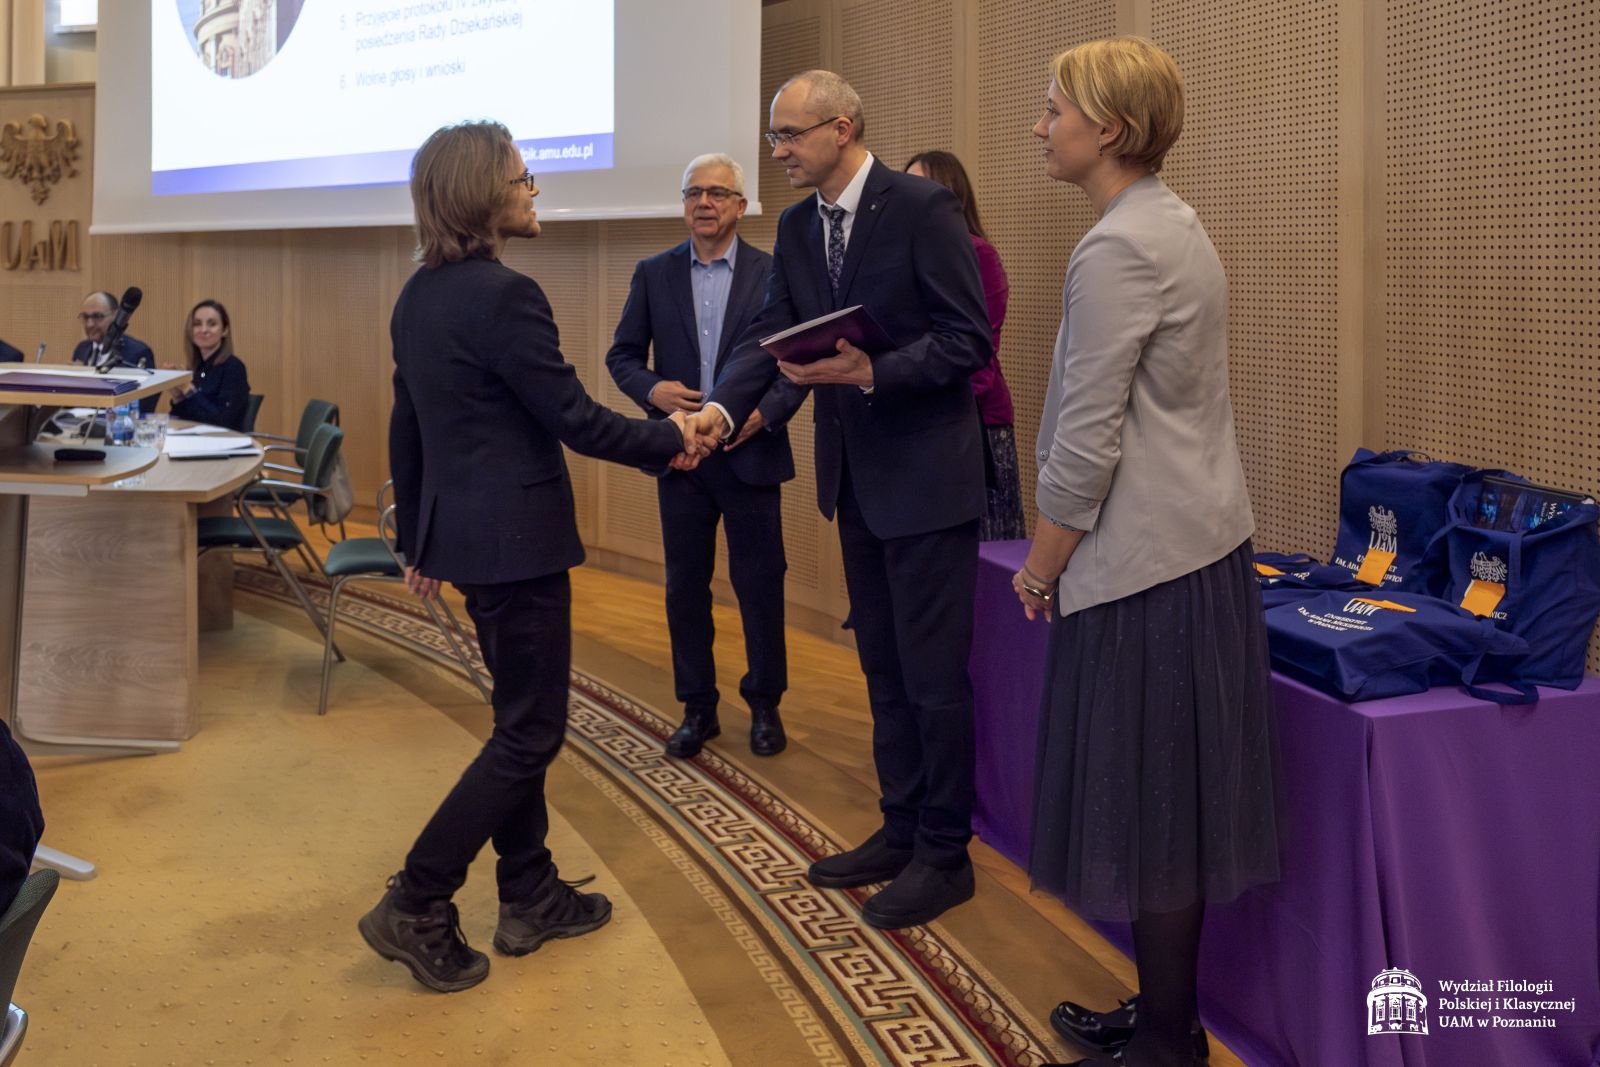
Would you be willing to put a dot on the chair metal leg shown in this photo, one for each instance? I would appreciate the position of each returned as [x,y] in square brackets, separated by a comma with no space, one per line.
[457,647]
[68,866]
[300,594]
[327,644]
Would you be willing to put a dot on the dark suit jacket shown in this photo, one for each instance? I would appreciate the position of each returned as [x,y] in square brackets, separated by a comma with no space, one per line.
[9,354]
[660,310]
[135,353]
[483,402]
[914,444]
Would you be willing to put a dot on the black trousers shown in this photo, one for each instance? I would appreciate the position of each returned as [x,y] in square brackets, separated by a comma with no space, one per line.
[525,632]
[911,599]
[692,503]
[21,821]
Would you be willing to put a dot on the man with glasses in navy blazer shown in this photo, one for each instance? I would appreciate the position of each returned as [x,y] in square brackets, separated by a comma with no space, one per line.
[899,458]
[689,304]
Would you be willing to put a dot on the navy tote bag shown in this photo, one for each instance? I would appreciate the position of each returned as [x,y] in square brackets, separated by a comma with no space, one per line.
[1539,580]
[1364,646]
[1392,506]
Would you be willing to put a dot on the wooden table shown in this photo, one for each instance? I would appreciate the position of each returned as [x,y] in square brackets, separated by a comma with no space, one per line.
[110,621]
[29,471]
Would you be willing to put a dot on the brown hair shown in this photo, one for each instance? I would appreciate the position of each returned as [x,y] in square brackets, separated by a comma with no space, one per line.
[946,169]
[1126,79]
[457,188]
[224,350]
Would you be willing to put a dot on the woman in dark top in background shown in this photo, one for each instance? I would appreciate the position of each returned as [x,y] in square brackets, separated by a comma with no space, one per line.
[1002,519]
[220,390]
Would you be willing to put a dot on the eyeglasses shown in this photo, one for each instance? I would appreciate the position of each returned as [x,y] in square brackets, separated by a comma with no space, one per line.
[716,192]
[774,138]
[527,181]
[92,316]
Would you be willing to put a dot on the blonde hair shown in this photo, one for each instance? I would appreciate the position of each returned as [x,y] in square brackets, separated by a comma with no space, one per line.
[1127,80]
[458,185]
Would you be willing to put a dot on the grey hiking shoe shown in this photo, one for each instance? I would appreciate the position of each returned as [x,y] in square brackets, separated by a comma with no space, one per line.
[561,911]
[431,945]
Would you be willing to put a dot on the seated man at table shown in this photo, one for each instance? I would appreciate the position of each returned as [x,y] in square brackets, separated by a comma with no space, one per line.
[96,313]
[21,821]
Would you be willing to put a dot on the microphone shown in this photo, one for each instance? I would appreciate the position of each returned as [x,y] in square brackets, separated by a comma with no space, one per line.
[111,342]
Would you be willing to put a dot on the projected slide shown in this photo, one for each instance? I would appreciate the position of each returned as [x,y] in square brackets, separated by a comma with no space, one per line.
[294,94]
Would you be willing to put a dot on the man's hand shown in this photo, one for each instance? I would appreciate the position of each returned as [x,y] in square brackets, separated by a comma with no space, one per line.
[675,396]
[850,367]
[697,443]
[748,430]
[426,588]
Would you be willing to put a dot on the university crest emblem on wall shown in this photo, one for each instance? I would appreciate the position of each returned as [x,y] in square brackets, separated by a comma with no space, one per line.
[37,156]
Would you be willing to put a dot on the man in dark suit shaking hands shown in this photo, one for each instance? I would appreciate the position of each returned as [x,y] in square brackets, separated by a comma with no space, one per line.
[690,303]
[899,462]
[483,402]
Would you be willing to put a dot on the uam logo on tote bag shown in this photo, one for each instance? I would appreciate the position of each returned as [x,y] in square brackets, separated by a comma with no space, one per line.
[1392,506]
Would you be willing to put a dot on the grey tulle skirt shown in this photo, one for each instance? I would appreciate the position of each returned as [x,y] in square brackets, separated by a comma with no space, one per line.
[1156,784]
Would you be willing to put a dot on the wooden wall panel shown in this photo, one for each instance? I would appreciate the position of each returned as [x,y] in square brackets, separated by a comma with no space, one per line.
[335,324]
[1490,237]
[909,105]
[1034,222]
[1262,110]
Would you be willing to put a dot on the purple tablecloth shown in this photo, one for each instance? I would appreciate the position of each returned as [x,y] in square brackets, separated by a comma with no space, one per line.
[1437,833]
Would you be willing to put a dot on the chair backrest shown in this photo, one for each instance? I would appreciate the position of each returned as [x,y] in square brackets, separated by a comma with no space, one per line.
[252,408]
[321,468]
[17,926]
[316,413]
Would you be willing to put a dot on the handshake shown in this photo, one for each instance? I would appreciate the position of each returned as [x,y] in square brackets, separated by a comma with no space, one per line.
[702,431]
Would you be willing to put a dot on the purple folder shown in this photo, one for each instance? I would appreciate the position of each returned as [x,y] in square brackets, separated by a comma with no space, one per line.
[814,340]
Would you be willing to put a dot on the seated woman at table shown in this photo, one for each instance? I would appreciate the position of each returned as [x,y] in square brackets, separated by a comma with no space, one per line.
[219,392]
[1155,788]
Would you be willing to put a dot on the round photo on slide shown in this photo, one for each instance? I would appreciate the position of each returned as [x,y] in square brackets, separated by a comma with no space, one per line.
[236,38]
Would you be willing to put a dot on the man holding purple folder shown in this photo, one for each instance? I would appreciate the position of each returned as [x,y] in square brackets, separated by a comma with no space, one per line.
[899,463]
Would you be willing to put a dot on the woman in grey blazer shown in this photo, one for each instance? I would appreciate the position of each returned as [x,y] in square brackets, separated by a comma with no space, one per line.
[1155,784]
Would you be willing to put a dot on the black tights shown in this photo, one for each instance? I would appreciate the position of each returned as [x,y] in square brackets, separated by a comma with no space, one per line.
[1166,949]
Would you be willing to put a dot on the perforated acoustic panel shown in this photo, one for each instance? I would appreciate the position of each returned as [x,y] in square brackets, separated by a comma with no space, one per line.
[909,105]
[787,48]
[1491,236]
[1258,161]
[1033,221]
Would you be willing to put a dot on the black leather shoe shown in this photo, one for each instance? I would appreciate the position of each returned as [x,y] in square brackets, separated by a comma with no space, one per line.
[919,895]
[1107,1031]
[870,862]
[699,726]
[766,731]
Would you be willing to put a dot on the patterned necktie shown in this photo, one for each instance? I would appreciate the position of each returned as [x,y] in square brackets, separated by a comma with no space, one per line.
[835,247]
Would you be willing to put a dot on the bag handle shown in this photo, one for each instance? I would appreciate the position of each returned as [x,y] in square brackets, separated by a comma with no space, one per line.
[1525,693]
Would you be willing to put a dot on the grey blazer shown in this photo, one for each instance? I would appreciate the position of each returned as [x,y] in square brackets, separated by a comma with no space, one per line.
[1136,446]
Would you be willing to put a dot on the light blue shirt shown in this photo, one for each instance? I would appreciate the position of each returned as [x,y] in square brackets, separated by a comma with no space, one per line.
[711,283]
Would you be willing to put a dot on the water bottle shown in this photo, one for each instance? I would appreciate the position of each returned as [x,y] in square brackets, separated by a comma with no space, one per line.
[119,425]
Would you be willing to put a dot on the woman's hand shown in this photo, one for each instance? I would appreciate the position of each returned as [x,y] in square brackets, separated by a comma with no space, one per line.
[1027,590]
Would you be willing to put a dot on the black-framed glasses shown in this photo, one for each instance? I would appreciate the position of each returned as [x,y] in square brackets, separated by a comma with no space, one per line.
[526,180]
[774,138]
[717,193]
